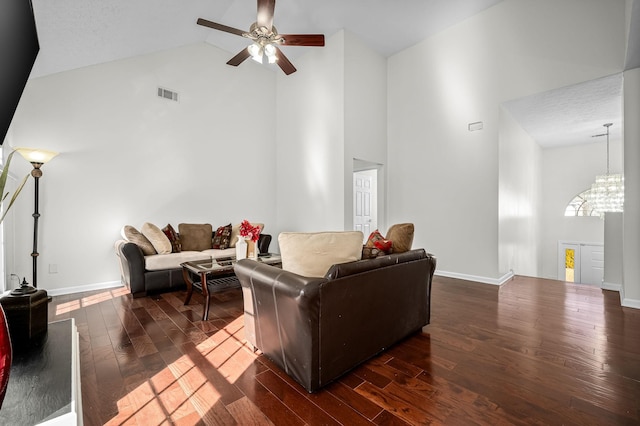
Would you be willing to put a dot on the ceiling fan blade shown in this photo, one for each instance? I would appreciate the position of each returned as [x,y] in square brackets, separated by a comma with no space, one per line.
[220,27]
[302,39]
[265,13]
[239,58]
[284,63]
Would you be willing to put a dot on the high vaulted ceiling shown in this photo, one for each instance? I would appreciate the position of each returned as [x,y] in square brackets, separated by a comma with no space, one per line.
[77,33]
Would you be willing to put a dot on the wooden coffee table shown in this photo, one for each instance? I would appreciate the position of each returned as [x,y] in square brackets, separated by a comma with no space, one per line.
[216,275]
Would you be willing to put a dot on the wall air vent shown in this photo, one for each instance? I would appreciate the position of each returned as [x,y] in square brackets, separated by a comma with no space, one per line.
[167,94]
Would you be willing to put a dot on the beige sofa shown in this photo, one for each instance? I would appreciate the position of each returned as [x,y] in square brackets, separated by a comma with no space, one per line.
[148,269]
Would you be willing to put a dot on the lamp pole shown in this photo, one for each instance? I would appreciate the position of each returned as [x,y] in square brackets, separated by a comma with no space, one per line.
[37,174]
[37,157]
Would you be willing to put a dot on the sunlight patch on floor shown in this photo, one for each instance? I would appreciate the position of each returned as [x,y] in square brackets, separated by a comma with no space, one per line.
[74,305]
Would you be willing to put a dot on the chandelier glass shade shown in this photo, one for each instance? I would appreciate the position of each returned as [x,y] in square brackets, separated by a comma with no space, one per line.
[607,192]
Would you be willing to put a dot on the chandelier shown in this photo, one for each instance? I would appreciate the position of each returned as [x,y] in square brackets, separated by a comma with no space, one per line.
[607,193]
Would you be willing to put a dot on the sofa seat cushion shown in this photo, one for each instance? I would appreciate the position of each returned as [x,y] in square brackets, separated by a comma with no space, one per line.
[157,262]
[218,254]
[312,254]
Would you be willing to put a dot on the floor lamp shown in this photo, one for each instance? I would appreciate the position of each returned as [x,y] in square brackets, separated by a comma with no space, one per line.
[37,157]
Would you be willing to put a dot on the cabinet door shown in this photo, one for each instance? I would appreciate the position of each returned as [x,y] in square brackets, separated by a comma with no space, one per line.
[581,263]
[591,264]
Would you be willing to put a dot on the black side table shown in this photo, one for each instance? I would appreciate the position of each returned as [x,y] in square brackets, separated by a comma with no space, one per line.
[44,383]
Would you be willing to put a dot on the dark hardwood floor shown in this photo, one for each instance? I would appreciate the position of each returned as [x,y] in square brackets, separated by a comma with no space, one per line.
[533,351]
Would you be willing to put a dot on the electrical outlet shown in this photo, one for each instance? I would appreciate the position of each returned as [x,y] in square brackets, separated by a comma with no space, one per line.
[53,268]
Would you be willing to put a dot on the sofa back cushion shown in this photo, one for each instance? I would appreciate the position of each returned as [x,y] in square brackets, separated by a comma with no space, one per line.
[312,254]
[401,236]
[158,239]
[195,236]
[132,235]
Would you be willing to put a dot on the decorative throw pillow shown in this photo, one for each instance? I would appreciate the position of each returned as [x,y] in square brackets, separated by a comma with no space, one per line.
[402,236]
[132,235]
[174,238]
[195,237]
[222,238]
[157,238]
[376,246]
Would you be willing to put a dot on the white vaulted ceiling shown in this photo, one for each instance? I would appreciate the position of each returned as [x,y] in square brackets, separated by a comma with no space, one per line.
[571,115]
[77,33]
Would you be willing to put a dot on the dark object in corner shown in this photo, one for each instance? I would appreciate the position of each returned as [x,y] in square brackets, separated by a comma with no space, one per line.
[18,50]
[26,310]
[41,386]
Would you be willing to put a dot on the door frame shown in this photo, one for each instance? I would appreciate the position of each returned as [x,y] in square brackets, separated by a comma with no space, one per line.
[360,165]
[577,246]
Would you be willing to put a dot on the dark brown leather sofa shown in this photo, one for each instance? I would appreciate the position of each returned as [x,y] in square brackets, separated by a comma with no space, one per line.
[317,329]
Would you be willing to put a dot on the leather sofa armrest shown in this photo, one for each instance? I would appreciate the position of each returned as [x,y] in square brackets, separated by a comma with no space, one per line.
[283,307]
[135,261]
[263,243]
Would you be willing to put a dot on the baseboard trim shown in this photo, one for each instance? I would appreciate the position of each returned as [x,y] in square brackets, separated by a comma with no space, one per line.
[611,286]
[630,303]
[484,280]
[83,288]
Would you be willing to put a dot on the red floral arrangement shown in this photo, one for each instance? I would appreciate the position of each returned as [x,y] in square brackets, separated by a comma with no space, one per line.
[249,231]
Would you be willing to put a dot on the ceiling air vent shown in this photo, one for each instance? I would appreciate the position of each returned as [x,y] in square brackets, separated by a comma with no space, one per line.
[167,94]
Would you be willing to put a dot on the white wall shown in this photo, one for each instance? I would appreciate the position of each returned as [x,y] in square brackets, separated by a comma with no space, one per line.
[446,178]
[631,220]
[520,201]
[566,172]
[329,112]
[117,139]
[127,156]
[365,97]
[613,251]
[310,135]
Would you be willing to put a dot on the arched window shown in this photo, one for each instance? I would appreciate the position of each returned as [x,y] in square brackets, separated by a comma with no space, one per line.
[579,206]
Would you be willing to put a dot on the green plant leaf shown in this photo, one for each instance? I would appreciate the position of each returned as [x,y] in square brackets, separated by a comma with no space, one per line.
[5,173]
[3,182]
[13,198]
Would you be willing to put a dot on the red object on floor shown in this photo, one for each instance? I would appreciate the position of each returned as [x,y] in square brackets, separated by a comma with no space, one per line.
[5,355]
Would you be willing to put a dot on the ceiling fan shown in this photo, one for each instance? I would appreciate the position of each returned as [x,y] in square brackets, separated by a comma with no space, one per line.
[266,39]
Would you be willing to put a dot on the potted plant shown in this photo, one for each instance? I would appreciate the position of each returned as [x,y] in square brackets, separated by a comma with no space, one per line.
[5,341]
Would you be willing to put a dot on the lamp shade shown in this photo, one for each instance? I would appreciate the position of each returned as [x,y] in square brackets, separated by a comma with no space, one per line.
[36,155]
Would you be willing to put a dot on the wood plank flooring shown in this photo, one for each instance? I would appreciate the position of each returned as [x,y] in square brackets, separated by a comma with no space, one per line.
[533,351]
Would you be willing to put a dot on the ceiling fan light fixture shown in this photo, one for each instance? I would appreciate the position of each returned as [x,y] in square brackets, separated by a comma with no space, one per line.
[270,51]
[266,39]
[255,50]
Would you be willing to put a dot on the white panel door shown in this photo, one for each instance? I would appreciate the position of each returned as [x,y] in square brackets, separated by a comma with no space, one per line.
[591,264]
[362,190]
